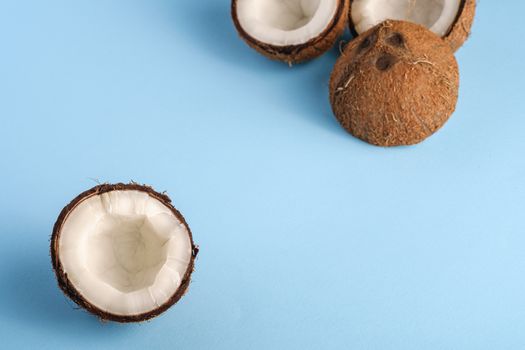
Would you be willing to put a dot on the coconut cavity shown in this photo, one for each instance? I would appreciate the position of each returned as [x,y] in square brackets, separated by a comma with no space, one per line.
[449,19]
[436,15]
[290,30]
[285,22]
[123,252]
[396,84]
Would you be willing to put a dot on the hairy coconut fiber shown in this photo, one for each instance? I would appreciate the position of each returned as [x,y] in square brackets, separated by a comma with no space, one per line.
[396,84]
[308,50]
[67,285]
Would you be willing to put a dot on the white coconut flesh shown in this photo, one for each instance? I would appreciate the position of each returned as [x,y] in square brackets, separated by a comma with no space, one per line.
[124,251]
[285,22]
[436,15]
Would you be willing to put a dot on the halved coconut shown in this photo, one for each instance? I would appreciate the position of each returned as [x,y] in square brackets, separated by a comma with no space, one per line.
[290,30]
[396,84]
[450,19]
[122,252]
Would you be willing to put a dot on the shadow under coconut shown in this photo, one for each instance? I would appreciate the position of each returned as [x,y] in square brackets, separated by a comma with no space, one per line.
[210,27]
[35,300]
[309,94]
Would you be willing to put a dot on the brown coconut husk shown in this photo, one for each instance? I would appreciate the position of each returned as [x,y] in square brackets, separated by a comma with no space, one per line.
[396,84]
[67,286]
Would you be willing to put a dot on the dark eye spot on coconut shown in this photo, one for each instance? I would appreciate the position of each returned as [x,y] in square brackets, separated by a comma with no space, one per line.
[385,62]
[396,40]
[366,43]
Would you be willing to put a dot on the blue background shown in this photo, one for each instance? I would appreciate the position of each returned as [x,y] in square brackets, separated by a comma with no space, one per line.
[309,238]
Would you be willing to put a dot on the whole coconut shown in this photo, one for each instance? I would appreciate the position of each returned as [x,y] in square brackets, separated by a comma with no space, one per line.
[396,84]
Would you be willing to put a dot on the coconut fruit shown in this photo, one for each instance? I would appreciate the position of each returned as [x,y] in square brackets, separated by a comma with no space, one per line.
[290,30]
[122,252]
[450,19]
[396,84]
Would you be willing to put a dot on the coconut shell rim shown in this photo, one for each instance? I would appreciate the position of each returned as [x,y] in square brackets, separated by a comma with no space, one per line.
[67,286]
[293,50]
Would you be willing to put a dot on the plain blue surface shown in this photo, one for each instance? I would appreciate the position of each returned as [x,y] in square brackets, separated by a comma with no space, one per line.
[309,238]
